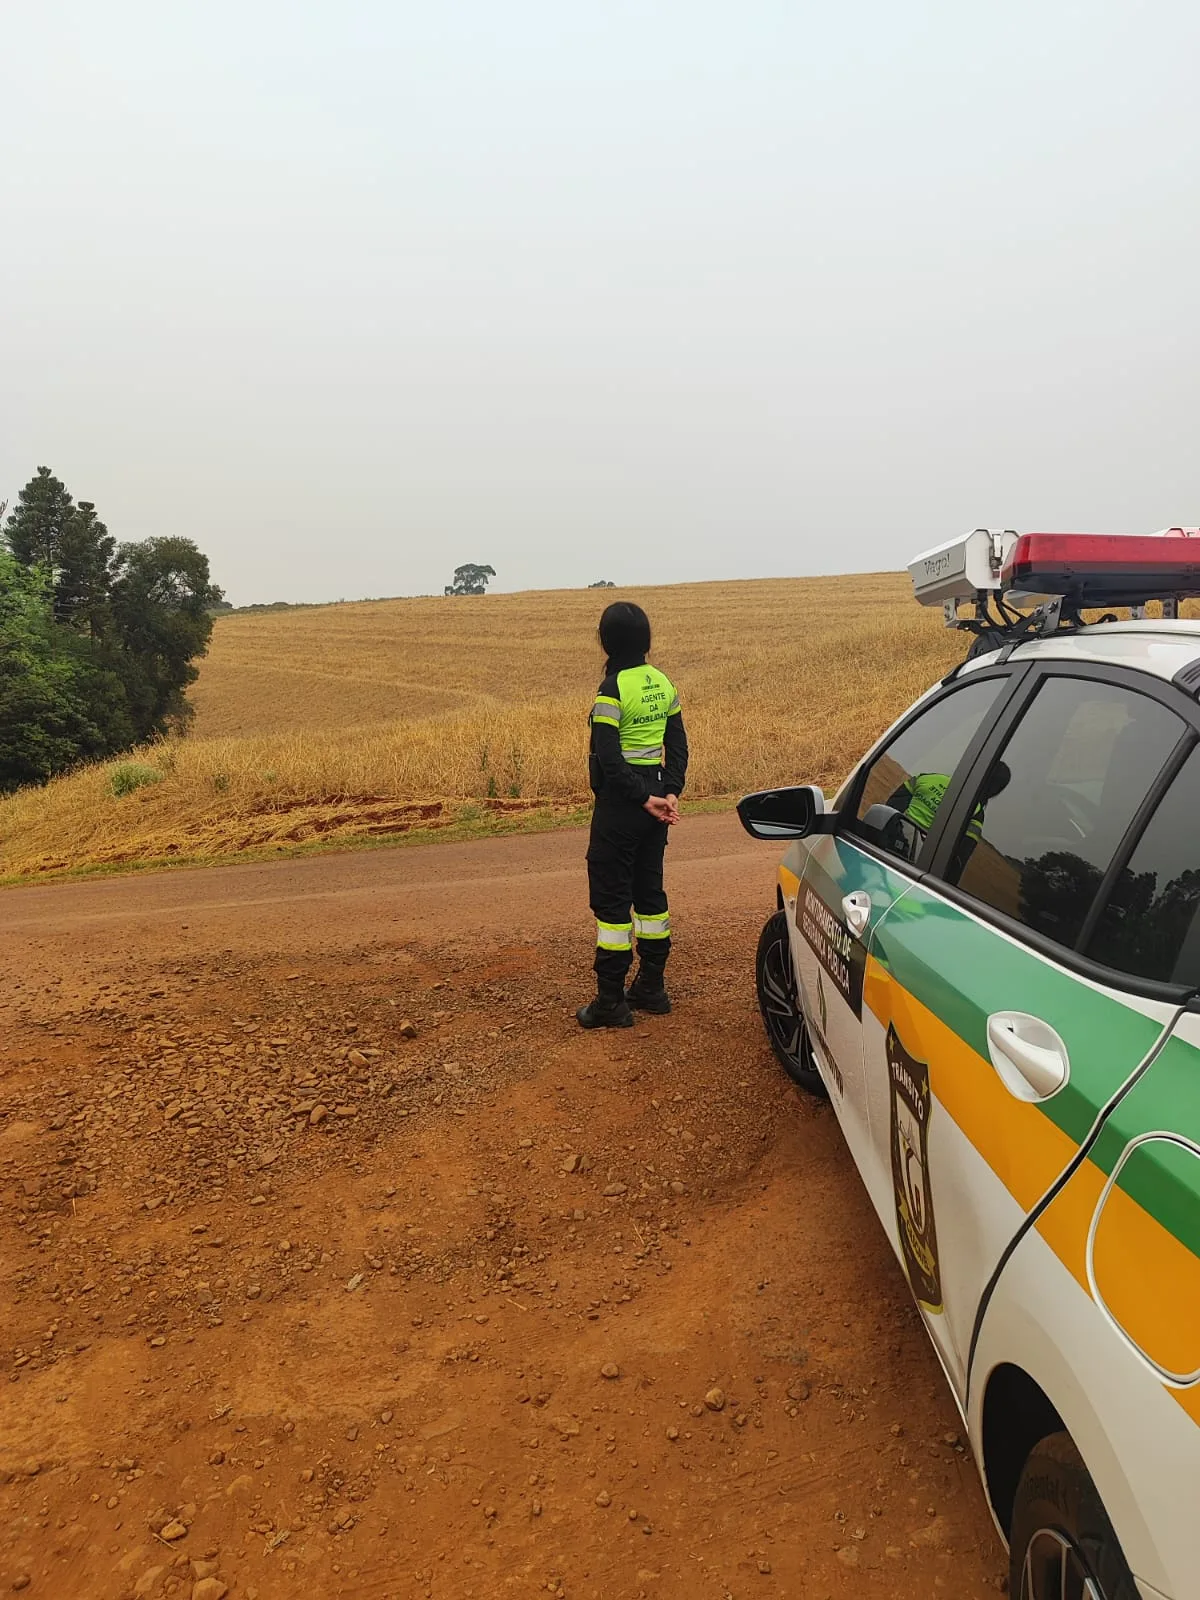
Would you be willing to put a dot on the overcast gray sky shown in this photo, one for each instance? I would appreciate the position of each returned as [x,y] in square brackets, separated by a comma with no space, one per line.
[353,291]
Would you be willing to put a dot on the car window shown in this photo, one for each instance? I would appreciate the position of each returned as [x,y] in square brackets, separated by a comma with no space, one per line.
[1149,927]
[911,775]
[1054,806]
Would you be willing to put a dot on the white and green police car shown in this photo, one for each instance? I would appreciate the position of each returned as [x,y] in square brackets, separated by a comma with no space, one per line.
[987,954]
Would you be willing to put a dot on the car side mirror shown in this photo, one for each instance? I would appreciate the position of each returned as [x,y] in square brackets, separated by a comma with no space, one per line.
[785,813]
[892,831]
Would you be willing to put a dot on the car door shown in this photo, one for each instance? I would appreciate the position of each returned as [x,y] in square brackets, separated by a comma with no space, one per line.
[1100,1300]
[992,1044]
[849,879]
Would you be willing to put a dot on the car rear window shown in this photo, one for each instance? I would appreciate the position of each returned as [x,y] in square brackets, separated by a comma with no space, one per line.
[1149,927]
[1056,804]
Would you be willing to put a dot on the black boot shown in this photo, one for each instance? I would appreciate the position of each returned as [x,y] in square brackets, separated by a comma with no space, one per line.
[607,1010]
[648,993]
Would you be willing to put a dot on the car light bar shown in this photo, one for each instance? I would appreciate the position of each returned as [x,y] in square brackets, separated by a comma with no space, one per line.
[1103,569]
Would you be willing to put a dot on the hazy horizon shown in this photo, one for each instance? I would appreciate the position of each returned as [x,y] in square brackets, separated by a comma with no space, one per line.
[661,294]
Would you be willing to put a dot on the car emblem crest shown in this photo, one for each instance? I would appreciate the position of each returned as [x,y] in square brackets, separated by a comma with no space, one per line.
[911,1103]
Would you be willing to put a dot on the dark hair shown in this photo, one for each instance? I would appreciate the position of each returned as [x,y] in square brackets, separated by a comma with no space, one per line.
[625,634]
[997,780]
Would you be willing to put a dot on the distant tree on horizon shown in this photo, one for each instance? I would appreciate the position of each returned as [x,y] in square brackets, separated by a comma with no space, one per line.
[604,583]
[470,579]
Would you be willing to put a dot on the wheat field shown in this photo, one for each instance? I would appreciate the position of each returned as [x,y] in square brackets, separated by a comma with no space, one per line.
[376,718]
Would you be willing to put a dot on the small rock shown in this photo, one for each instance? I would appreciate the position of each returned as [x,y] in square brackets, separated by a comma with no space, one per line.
[157,1342]
[317,1116]
[204,1568]
[408,1029]
[799,1391]
[610,1370]
[612,1190]
[604,1498]
[672,1433]
[217,1459]
[356,1058]
[209,1589]
[173,1530]
[715,1399]
[21,1581]
[352,1433]
[158,1519]
[764,1567]
[848,1555]
[385,1417]
[571,1164]
[354,1282]
[536,1508]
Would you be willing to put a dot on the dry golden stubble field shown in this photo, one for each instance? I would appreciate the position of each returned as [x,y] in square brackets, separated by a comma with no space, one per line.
[382,718]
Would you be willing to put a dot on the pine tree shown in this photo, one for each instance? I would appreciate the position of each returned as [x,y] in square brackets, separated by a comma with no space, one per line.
[68,542]
[34,532]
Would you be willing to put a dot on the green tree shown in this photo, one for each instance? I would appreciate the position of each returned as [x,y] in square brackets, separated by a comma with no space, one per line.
[34,531]
[97,643]
[69,542]
[58,705]
[161,601]
[81,588]
[470,579]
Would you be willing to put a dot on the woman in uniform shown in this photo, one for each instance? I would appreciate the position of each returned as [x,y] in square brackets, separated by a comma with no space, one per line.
[637,766]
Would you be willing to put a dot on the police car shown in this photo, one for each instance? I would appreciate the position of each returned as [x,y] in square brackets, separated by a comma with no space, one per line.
[986,953]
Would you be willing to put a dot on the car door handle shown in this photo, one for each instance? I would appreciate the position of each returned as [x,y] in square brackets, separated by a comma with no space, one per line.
[856,908]
[1027,1053]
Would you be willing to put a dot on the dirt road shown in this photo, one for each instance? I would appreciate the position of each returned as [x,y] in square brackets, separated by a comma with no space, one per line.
[295,1304]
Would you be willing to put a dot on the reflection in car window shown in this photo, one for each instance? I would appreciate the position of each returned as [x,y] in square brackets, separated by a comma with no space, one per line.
[1055,806]
[912,775]
[1149,927]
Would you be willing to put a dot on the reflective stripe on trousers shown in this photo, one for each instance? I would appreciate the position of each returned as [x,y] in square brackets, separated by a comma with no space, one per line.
[652,927]
[614,935]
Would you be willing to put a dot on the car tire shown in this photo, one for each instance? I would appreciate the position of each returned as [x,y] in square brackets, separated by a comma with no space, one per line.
[1061,1541]
[779,1002]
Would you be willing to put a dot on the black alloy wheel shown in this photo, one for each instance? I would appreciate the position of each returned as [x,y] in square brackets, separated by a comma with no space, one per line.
[779,1002]
[1063,1546]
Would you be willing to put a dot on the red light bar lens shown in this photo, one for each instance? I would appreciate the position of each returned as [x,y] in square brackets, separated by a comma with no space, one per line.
[1105,569]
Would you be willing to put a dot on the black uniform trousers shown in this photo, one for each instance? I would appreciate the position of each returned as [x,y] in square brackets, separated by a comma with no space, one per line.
[625,874]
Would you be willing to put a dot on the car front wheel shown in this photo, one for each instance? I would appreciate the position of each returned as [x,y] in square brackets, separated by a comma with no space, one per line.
[779,1002]
[1062,1544]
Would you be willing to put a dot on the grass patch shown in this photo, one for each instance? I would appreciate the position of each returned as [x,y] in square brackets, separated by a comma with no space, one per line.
[131,776]
[482,825]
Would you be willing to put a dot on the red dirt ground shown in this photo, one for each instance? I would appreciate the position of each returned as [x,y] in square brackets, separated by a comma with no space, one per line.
[294,1304]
